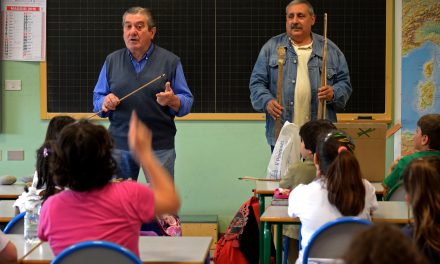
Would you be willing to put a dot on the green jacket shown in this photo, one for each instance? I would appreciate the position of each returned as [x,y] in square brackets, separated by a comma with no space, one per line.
[396,176]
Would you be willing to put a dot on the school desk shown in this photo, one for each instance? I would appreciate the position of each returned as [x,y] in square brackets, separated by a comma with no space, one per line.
[7,211]
[395,212]
[265,189]
[11,191]
[163,250]
[378,187]
[274,215]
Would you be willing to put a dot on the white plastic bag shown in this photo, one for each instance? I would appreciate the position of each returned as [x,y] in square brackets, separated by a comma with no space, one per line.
[285,152]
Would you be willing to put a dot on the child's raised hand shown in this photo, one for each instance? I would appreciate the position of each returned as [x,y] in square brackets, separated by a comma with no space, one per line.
[139,136]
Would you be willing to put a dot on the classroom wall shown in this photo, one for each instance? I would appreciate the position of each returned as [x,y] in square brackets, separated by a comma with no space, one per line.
[211,155]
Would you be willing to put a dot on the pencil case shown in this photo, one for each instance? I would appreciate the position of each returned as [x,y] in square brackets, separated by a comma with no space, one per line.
[281,193]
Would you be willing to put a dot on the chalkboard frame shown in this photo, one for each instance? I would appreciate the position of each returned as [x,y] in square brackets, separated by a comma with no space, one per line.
[385,117]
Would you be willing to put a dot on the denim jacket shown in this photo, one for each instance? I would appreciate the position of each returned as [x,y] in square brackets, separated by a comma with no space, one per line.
[263,82]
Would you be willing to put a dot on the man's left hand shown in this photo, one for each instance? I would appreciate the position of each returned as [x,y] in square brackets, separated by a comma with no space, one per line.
[168,98]
[325,93]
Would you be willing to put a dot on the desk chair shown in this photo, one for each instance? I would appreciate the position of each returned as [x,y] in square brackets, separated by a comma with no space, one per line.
[332,239]
[16,225]
[396,194]
[96,252]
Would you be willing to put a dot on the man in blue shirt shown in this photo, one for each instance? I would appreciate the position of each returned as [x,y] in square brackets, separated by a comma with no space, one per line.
[127,69]
[301,82]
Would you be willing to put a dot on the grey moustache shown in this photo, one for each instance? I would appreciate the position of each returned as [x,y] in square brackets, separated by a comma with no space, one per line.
[295,26]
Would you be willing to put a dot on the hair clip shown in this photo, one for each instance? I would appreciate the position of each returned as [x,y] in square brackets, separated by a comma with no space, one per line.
[46,152]
[341,138]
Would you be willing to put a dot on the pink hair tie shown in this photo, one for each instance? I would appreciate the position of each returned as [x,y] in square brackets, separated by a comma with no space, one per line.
[342,148]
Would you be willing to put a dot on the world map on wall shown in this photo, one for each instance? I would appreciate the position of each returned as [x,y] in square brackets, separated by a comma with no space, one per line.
[420,65]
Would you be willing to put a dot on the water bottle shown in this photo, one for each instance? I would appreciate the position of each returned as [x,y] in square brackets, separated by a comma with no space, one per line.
[32,216]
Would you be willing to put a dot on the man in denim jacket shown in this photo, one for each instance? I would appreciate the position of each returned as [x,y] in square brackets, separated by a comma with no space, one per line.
[301,74]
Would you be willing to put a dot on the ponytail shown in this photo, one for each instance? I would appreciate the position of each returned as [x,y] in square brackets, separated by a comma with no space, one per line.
[45,179]
[341,172]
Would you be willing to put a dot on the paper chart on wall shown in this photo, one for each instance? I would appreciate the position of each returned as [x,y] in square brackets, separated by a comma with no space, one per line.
[23,30]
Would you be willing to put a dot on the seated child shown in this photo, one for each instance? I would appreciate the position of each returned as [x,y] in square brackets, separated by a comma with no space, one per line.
[426,143]
[303,173]
[93,207]
[382,244]
[42,181]
[337,191]
[421,180]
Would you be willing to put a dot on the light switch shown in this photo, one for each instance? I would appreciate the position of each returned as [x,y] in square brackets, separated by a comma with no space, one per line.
[12,85]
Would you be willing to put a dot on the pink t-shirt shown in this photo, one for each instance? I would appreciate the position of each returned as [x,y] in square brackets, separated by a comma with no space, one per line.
[114,213]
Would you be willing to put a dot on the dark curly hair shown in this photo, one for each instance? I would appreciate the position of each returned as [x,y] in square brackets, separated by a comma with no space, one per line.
[82,157]
[382,244]
[45,179]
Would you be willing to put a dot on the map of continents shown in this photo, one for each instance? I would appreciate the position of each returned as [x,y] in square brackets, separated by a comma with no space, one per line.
[420,65]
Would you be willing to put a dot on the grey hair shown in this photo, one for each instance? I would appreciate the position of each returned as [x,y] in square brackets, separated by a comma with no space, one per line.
[297,2]
[142,10]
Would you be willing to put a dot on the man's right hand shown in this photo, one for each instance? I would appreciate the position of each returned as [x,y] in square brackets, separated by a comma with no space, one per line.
[274,109]
[110,102]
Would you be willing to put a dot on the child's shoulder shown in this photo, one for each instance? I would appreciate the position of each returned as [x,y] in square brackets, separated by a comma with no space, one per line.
[301,167]
[316,184]
[308,191]
[419,154]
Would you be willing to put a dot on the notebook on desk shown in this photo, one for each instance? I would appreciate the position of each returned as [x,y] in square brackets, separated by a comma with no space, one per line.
[279,202]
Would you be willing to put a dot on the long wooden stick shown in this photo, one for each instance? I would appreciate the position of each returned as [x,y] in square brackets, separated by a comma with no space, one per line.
[281,55]
[321,103]
[135,91]
[20,260]
[249,178]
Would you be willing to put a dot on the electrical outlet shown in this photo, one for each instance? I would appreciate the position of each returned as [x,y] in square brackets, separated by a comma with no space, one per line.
[15,154]
[12,85]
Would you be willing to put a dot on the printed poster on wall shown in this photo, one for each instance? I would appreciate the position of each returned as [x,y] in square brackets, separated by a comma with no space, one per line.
[420,65]
[23,30]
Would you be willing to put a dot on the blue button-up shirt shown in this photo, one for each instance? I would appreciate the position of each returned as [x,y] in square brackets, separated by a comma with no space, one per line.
[263,81]
[178,84]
